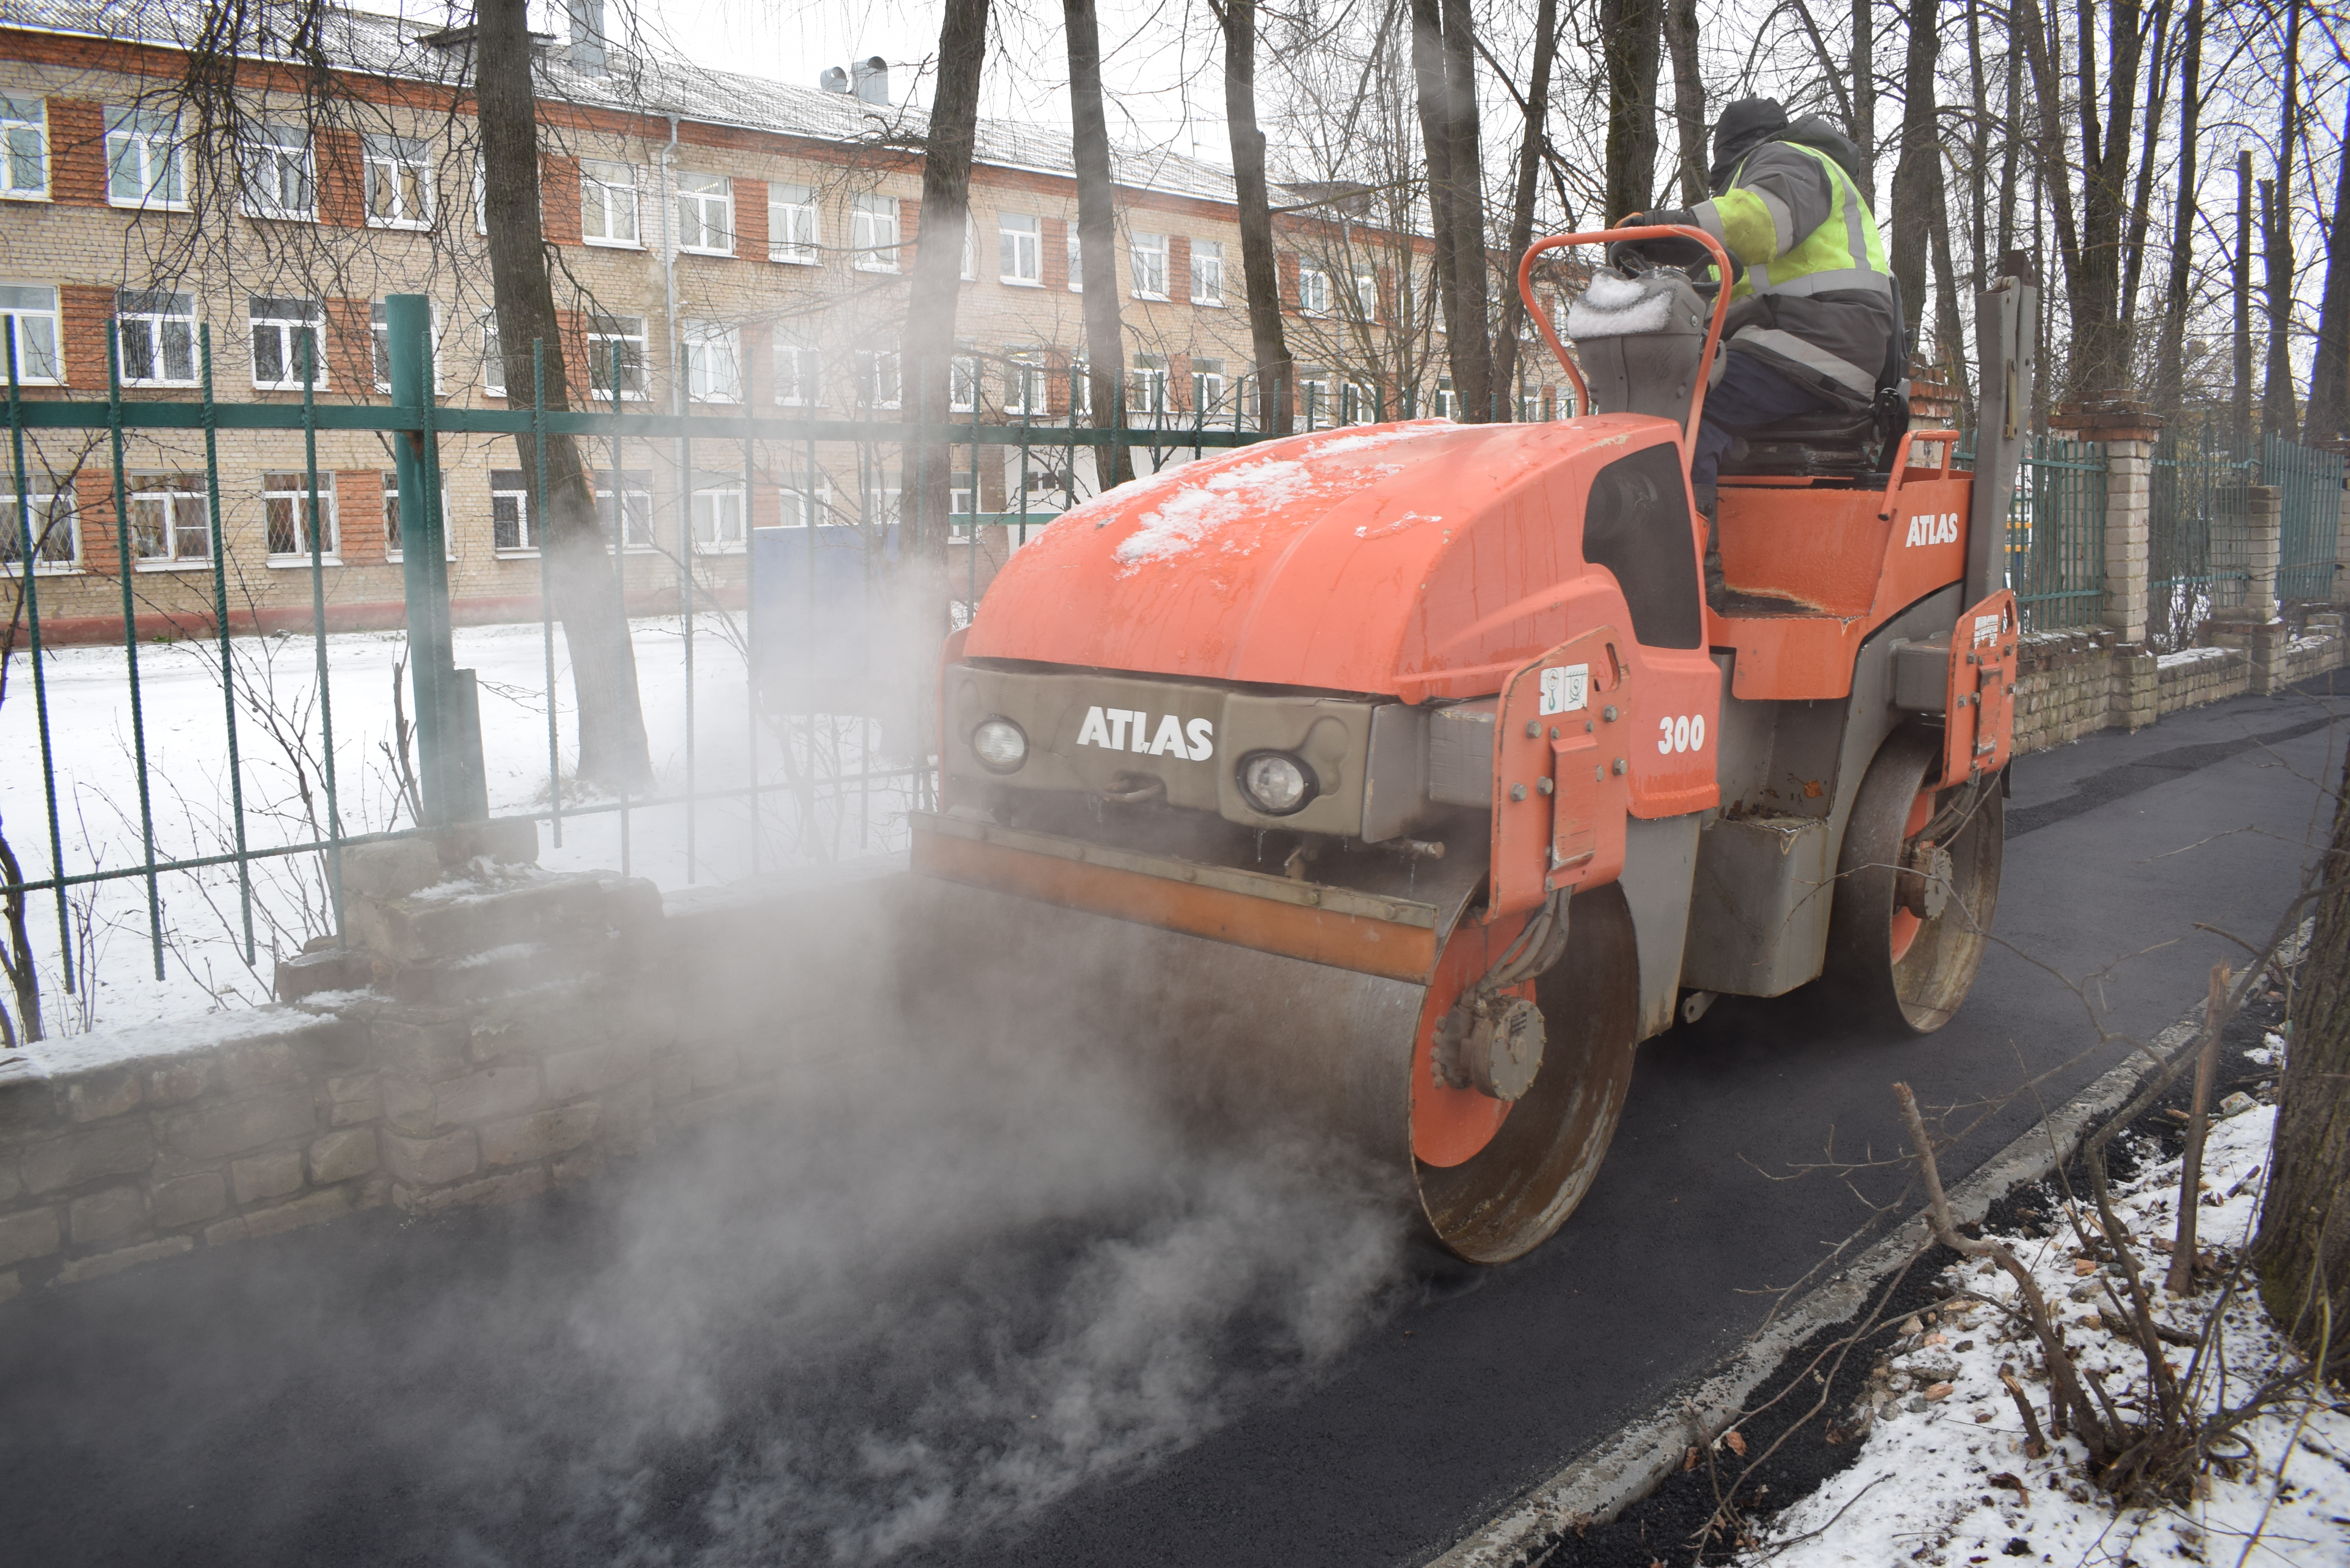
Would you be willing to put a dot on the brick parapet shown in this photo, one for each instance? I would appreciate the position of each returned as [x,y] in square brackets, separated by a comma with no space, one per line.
[2129,467]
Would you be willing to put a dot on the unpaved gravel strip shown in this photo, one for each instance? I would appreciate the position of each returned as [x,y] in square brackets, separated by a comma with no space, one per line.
[1606,1480]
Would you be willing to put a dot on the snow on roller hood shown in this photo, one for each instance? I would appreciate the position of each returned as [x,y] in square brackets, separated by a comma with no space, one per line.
[1617,308]
[1177,511]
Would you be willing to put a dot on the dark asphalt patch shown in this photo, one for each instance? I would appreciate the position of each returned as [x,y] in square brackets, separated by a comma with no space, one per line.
[2112,783]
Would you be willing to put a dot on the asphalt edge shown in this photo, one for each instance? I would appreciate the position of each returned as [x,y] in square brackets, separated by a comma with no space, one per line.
[1604,1480]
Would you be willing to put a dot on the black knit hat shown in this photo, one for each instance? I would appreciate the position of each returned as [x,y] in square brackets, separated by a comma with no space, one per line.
[1743,126]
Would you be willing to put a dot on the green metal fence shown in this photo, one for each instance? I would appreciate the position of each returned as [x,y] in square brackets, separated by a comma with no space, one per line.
[2310,483]
[2199,544]
[2056,534]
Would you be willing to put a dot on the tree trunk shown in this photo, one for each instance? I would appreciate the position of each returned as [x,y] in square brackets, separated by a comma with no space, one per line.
[16,960]
[1260,273]
[1629,31]
[937,283]
[1096,233]
[1429,86]
[2241,400]
[1977,154]
[2329,379]
[2100,337]
[1918,176]
[1472,342]
[2170,350]
[1522,199]
[2141,210]
[2278,412]
[2304,1234]
[1864,93]
[1689,96]
[581,578]
[2012,152]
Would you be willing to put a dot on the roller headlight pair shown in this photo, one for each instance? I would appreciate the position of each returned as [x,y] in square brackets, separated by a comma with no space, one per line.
[1276,784]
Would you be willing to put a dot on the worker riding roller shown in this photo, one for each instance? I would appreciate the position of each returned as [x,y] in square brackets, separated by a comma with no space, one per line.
[1815,321]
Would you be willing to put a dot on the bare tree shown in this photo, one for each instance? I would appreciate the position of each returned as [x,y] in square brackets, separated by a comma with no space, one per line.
[2278,404]
[2169,359]
[1689,96]
[1260,273]
[1531,143]
[1096,226]
[1629,32]
[1917,177]
[2328,416]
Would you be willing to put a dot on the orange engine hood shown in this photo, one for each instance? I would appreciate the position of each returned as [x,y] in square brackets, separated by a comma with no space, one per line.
[1425,559]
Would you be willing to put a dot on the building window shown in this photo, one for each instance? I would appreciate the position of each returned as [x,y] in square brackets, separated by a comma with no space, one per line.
[1207,272]
[279,180]
[633,529]
[1313,289]
[391,551]
[286,509]
[804,505]
[380,348]
[50,517]
[970,247]
[881,501]
[1081,388]
[1023,381]
[713,362]
[962,385]
[615,355]
[1207,388]
[877,377]
[170,524]
[24,149]
[792,232]
[1441,404]
[480,195]
[873,233]
[399,182]
[1020,248]
[608,203]
[494,360]
[1366,295]
[155,331]
[1148,256]
[1314,397]
[145,164]
[716,508]
[1076,261]
[1359,403]
[795,368]
[1146,393]
[286,344]
[705,214]
[511,526]
[31,312]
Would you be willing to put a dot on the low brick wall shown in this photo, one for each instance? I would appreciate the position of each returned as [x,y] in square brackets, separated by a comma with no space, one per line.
[2063,686]
[2199,675]
[520,1028]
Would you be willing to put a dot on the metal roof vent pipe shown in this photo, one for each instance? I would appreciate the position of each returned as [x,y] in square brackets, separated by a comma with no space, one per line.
[834,80]
[872,78]
[587,35]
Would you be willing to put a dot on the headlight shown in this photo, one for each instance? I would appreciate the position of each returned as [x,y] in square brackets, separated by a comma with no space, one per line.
[1001,745]
[1276,782]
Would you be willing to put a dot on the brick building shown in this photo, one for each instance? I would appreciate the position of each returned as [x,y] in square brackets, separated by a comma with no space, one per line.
[722,241]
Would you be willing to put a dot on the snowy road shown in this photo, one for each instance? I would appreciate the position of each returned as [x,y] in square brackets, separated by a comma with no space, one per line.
[444,1393]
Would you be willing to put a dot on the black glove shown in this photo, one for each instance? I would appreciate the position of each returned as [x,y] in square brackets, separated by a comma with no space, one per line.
[1665,250]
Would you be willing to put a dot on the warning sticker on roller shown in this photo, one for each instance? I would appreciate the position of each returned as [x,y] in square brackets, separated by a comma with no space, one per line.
[1565,688]
[1987,628]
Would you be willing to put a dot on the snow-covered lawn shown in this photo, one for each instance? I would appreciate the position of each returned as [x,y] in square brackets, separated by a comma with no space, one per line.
[1943,1479]
[279,734]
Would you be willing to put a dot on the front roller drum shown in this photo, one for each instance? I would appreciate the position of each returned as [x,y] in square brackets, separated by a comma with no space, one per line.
[1916,885]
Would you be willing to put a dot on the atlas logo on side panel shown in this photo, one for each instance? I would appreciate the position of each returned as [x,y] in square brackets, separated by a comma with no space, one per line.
[1933,528]
[1131,729]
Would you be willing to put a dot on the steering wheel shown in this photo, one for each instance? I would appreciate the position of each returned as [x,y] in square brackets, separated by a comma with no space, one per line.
[1632,258]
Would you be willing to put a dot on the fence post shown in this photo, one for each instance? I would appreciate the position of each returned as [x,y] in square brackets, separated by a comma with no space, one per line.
[2136,694]
[449,770]
[2341,594]
[2253,626]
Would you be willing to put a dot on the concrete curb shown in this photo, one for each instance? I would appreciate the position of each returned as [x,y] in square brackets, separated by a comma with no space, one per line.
[1611,1476]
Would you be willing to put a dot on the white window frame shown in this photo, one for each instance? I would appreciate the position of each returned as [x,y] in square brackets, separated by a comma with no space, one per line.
[874,227]
[1208,387]
[1149,391]
[132,139]
[717,520]
[963,384]
[494,363]
[635,507]
[1026,382]
[803,387]
[635,380]
[799,503]
[1314,400]
[880,378]
[177,495]
[517,491]
[1366,295]
[1314,296]
[794,226]
[271,154]
[37,363]
[56,522]
[176,309]
[24,144]
[480,194]
[705,214]
[286,498]
[393,553]
[1147,264]
[1208,273]
[287,326]
[380,348]
[1077,261]
[601,180]
[970,246]
[397,167]
[713,361]
[1020,250]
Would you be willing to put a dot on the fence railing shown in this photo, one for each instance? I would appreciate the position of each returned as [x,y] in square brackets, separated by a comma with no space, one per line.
[2199,535]
[2057,534]
[2310,498]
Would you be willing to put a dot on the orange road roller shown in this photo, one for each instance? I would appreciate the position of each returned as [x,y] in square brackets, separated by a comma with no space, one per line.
[1400,779]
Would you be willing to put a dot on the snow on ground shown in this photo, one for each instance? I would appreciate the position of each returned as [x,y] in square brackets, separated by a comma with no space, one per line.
[279,735]
[1942,1477]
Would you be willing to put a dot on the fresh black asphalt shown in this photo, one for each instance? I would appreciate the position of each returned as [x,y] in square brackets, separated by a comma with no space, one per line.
[307,1400]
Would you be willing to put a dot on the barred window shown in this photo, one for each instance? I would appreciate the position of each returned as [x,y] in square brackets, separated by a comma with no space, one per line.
[285,512]
[45,516]
[170,525]
[512,527]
